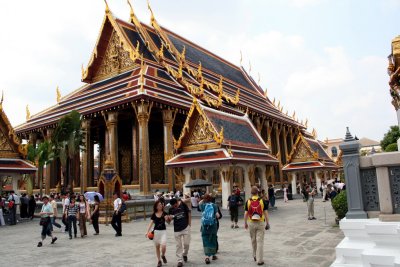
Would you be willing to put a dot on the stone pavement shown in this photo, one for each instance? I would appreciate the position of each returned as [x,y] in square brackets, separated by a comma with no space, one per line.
[292,241]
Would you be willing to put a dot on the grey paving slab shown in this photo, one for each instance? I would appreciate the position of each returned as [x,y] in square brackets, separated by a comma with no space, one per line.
[292,241]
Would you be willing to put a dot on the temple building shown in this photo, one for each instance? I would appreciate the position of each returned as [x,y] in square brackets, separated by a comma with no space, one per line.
[14,167]
[151,97]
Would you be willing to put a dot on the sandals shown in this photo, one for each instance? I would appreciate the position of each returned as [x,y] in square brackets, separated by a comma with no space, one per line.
[207,260]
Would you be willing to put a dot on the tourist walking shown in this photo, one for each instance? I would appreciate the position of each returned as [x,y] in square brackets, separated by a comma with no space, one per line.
[65,203]
[271,196]
[310,202]
[83,214]
[285,192]
[209,227]
[95,214]
[53,217]
[45,222]
[159,231]
[32,207]
[180,213]
[71,213]
[116,218]
[233,205]
[256,220]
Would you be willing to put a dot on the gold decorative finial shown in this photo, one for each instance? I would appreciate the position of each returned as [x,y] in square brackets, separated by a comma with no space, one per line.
[107,8]
[151,11]
[241,58]
[249,66]
[294,114]
[259,78]
[273,102]
[266,92]
[58,94]
[130,5]
[279,104]
[306,123]
[314,133]
[28,113]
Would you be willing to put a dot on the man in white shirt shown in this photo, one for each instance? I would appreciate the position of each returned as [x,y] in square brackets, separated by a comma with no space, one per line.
[65,203]
[53,217]
[116,218]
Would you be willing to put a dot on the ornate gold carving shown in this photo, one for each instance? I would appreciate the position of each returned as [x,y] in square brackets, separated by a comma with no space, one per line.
[116,59]
[4,143]
[201,133]
[302,151]
[28,113]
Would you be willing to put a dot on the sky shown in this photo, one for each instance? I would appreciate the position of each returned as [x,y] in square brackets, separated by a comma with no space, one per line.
[326,60]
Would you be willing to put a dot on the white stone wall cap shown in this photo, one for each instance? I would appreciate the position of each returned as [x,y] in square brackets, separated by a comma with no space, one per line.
[366,162]
[386,159]
[355,224]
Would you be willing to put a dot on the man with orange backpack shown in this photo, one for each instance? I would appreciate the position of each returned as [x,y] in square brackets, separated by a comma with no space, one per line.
[256,220]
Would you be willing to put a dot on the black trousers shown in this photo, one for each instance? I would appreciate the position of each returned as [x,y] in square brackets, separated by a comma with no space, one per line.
[116,222]
[72,222]
[13,215]
[95,222]
[24,210]
[234,214]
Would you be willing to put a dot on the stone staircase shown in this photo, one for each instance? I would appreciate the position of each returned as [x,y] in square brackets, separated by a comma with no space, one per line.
[369,243]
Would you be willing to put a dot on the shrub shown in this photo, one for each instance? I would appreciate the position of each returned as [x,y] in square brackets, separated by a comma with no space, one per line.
[339,204]
[391,147]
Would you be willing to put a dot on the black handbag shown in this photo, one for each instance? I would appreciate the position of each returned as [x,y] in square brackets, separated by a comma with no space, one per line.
[44,221]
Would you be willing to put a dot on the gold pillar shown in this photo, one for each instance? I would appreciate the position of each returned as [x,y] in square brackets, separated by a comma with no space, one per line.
[285,147]
[135,156]
[168,121]
[143,110]
[87,157]
[258,123]
[291,138]
[112,133]
[49,166]
[277,133]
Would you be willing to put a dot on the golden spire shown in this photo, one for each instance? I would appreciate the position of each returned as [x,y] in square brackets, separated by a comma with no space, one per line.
[28,113]
[259,78]
[241,58]
[306,123]
[151,11]
[314,133]
[58,94]
[107,8]
[282,108]
[83,71]
[132,13]
[266,92]
[273,102]
[249,67]
[294,114]
[279,104]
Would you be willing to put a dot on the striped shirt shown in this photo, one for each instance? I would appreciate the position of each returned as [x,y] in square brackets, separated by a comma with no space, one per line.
[72,211]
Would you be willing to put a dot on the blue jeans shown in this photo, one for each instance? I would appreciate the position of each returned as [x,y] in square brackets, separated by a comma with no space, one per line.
[46,229]
[53,222]
[272,201]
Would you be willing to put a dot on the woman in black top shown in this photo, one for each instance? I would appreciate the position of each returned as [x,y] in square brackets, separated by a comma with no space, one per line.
[95,215]
[159,231]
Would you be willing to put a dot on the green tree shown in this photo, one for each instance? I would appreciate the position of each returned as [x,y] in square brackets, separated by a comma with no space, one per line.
[390,137]
[67,144]
[41,155]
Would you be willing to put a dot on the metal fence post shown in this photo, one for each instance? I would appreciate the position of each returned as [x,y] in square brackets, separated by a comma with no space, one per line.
[351,168]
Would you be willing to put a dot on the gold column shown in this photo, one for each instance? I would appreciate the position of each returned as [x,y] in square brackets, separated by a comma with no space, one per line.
[258,123]
[112,130]
[277,133]
[143,110]
[87,157]
[285,147]
[135,157]
[291,138]
[168,121]
[49,166]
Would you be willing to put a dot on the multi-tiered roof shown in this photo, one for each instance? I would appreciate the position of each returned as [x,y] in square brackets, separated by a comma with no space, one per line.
[133,62]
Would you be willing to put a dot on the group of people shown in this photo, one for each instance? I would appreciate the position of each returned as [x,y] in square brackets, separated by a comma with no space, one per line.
[75,208]
[177,211]
[24,204]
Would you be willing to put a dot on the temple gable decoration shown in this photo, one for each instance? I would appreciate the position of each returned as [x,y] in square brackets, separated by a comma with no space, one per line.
[308,153]
[113,53]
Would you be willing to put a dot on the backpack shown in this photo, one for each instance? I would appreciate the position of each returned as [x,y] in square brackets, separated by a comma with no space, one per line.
[11,203]
[255,210]
[208,217]
[232,201]
[123,207]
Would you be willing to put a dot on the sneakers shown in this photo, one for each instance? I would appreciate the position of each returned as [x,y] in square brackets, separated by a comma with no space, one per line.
[185,258]
[260,263]
[164,259]
[53,240]
[40,244]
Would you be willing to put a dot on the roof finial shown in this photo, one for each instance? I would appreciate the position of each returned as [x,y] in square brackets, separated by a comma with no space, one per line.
[266,92]
[58,94]
[28,113]
[279,104]
[151,11]
[306,123]
[259,78]
[273,102]
[348,136]
[130,5]
[249,67]
[287,112]
[294,114]
[241,58]
[314,133]
[107,8]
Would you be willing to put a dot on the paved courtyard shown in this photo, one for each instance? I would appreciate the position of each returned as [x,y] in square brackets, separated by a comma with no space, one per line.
[292,241]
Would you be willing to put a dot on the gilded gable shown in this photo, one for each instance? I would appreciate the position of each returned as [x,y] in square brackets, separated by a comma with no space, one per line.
[116,59]
[201,133]
[303,153]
